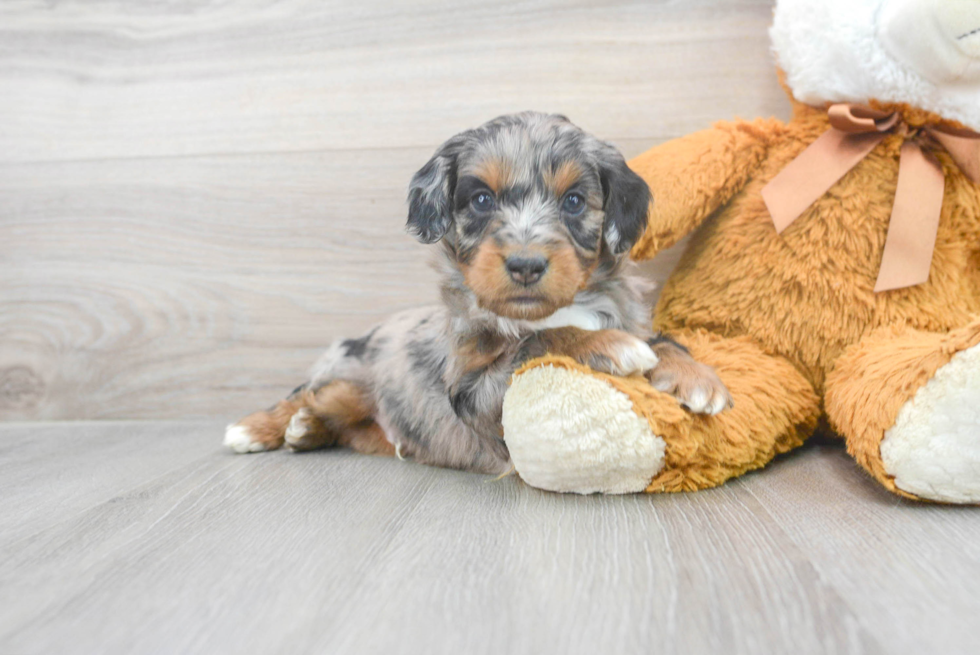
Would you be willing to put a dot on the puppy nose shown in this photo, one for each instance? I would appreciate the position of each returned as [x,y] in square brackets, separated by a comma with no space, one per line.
[526,270]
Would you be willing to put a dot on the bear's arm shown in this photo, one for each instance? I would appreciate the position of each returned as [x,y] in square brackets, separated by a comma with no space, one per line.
[692,176]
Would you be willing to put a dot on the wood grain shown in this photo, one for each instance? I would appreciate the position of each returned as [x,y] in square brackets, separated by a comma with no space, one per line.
[127,298]
[877,550]
[200,551]
[196,198]
[136,296]
[88,80]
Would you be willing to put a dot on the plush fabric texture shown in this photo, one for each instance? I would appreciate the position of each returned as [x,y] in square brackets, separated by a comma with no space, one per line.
[840,51]
[570,431]
[792,320]
[876,379]
[775,409]
[932,450]
[807,294]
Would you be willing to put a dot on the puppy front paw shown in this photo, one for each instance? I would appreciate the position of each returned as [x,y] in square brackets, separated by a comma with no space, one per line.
[695,385]
[621,353]
[608,351]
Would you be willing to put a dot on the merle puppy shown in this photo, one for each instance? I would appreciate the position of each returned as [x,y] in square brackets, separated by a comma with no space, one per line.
[535,219]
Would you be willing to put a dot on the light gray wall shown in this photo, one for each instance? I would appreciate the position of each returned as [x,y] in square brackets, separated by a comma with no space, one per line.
[195,198]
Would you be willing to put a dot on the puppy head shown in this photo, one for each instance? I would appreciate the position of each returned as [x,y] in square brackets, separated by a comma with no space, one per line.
[528,205]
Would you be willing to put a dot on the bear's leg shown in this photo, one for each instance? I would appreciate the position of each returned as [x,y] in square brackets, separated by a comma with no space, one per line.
[908,404]
[572,429]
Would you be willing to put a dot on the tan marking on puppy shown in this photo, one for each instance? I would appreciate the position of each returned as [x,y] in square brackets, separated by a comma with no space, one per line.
[479,351]
[338,414]
[562,178]
[497,174]
[367,438]
[343,403]
[486,275]
[696,385]
[565,276]
[268,427]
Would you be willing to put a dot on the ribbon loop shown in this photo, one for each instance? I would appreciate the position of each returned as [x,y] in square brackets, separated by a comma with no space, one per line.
[815,170]
[855,119]
[964,147]
[855,131]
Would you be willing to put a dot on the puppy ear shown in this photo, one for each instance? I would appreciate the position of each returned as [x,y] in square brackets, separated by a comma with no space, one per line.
[430,193]
[627,201]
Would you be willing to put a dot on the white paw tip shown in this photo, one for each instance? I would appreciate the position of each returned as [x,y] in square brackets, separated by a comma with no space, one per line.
[238,439]
[719,403]
[298,427]
[698,401]
[638,358]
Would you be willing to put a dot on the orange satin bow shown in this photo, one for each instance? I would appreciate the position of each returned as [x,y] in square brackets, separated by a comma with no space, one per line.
[855,131]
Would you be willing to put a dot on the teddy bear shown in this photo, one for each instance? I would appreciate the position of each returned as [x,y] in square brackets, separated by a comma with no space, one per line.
[832,277]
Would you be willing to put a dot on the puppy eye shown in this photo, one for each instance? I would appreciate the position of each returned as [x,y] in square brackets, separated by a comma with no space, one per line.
[482,202]
[573,204]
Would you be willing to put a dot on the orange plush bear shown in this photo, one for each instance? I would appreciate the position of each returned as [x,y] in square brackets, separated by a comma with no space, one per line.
[833,276]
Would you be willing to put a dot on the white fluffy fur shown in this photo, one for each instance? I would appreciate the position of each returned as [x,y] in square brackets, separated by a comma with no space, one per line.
[933,450]
[580,316]
[635,357]
[570,432]
[238,439]
[299,425]
[849,51]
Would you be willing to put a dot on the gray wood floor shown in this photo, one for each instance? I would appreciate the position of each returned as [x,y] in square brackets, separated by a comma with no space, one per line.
[146,537]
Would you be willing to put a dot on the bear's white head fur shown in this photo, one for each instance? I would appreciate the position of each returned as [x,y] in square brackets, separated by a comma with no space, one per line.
[925,53]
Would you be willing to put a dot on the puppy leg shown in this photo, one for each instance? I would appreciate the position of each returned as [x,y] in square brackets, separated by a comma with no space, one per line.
[263,430]
[340,413]
[694,384]
[337,414]
[610,351]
